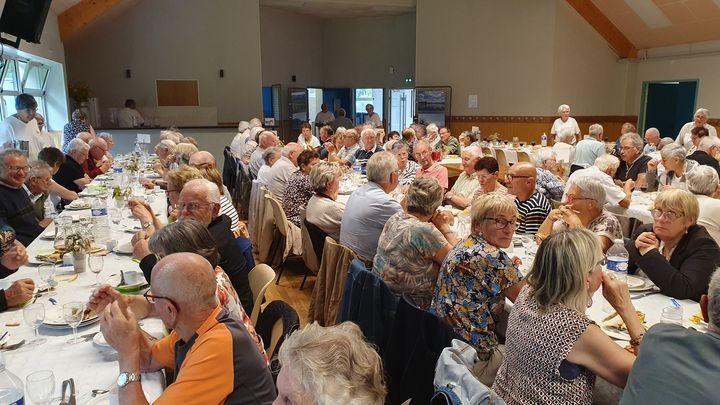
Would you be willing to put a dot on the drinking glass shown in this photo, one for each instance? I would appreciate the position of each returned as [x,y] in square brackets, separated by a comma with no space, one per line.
[527,242]
[47,274]
[96,266]
[34,315]
[115,216]
[73,314]
[672,314]
[40,386]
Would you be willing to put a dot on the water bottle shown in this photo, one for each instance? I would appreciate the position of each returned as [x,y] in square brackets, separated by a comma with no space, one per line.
[617,260]
[100,220]
[12,391]
[543,139]
[651,149]
[49,209]
[357,173]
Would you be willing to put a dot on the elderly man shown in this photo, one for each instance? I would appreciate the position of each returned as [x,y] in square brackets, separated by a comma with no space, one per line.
[706,151]
[684,137]
[198,200]
[36,186]
[42,139]
[266,139]
[71,174]
[202,159]
[324,117]
[372,119]
[129,117]
[281,171]
[96,164]
[652,141]
[16,209]
[326,145]
[370,206]
[589,149]
[270,156]
[533,207]
[678,364]
[466,185]
[214,358]
[370,146]
[19,126]
[448,144]
[604,170]
[428,167]
[624,129]
[633,161]
[341,121]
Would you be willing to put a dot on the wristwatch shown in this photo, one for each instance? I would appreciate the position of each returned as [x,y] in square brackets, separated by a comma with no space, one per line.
[146,225]
[126,378]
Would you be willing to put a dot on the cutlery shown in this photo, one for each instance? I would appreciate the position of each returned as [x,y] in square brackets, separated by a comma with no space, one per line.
[64,388]
[99,392]
[71,400]
[645,294]
[13,346]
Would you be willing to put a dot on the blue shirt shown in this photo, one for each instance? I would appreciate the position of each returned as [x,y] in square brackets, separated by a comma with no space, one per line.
[366,212]
[587,150]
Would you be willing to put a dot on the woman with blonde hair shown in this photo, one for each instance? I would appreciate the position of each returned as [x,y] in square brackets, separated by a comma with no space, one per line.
[554,352]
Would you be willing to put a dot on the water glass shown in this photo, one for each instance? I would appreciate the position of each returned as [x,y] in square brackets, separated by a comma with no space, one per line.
[73,313]
[115,216]
[47,275]
[34,315]
[40,386]
[96,266]
[672,314]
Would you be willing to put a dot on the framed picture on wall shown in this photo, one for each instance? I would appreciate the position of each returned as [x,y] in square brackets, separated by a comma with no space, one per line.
[432,104]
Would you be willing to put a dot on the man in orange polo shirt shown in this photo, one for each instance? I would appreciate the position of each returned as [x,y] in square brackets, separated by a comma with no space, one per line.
[212,354]
[429,167]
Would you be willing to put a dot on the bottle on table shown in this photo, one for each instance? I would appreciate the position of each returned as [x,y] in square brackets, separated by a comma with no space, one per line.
[543,139]
[12,391]
[617,260]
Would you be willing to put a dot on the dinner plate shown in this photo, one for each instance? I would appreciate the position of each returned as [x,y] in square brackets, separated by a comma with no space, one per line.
[635,282]
[54,319]
[103,177]
[615,333]
[152,175]
[647,285]
[123,248]
[77,206]
[99,341]
[48,235]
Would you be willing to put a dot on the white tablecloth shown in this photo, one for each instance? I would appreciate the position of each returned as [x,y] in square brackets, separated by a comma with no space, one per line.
[640,206]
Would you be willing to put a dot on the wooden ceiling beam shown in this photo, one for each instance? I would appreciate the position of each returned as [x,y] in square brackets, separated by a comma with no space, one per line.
[615,38]
[77,17]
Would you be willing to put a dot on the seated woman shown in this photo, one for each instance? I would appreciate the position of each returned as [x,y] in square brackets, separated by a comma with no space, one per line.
[413,244]
[270,156]
[226,204]
[329,365]
[182,153]
[323,210]
[486,170]
[298,190]
[676,167]
[165,151]
[676,253]
[54,157]
[703,182]
[476,278]
[553,351]
[466,139]
[408,168]
[547,181]
[584,208]
[183,236]
[462,192]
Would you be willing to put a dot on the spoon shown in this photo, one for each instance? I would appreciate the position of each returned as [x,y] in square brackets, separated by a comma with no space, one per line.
[99,392]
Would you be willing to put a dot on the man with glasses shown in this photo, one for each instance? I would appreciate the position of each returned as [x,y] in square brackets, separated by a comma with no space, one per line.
[36,186]
[633,160]
[16,209]
[429,167]
[532,206]
[18,127]
[214,358]
[96,163]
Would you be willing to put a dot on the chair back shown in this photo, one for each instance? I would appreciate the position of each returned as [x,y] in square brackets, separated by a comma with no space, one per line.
[276,322]
[487,151]
[328,291]
[229,171]
[502,162]
[523,157]
[256,214]
[260,278]
[627,224]
[292,243]
[311,253]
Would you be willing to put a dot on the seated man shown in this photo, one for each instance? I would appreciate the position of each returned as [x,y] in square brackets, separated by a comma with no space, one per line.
[448,144]
[326,134]
[604,170]
[370,206]
[214,358]
[706,151]
[36,186]
[462,192]
[652,141]
[370,146]
[429,167]
[677,364]
[16,209]
[71,174]
[533,207]
[281,171]
[633,160]
[266,140]
[96,163]
[13,257]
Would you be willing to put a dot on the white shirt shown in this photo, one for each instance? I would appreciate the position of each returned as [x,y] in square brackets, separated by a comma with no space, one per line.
[613,193]
[280,172]
[41,139]
[326,214]
[374,120]
[129,118]
[314,142]
[684,137]
[263,175]
[12,129]
[710,215]
[565,152]
[570,123]
[324,117]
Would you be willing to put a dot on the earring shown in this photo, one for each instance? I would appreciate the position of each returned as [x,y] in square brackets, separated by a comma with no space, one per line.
[590,302]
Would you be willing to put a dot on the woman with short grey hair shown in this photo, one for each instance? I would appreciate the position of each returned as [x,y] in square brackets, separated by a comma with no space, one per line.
[414,243]
[563,145]
[408,168]
[673,171]
[547,181]
[75,126]
[703,182]
[269,156]
[323,210]
[700,120]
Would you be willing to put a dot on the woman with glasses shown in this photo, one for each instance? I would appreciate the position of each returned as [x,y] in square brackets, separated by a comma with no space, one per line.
[486,170]
[476,277]
[583,208]
[675,166]
[676,253]
[554,352]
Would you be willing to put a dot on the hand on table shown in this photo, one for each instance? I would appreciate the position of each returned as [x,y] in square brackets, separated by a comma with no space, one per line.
[646,242]
[104,296]
[149,184]
[15,257]
[19,292]
[120,328]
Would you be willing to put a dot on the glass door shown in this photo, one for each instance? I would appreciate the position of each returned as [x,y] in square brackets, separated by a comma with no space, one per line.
[402,109]
[298,107]
[363,97]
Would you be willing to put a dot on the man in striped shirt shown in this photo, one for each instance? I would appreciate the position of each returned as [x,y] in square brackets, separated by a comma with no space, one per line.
[533,207]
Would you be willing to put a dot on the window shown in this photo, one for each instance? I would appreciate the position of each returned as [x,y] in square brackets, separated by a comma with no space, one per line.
[22,76]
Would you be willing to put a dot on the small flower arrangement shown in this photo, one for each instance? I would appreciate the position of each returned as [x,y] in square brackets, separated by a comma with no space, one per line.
[120,193]
[77,242]
[80,93]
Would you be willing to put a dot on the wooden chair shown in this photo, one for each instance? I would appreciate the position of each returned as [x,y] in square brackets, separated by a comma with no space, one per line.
[487,151]
[285,240]
[523,157]
[260,278]
[502,162]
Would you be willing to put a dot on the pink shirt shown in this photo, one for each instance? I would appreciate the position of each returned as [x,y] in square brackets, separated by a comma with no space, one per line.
[435,171]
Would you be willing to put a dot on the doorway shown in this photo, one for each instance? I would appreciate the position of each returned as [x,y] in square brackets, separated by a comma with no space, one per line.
[334,98]
[363,97]
[668,105]
[402,109]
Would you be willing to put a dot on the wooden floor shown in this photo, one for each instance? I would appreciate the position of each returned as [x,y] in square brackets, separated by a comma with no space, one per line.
[289,291]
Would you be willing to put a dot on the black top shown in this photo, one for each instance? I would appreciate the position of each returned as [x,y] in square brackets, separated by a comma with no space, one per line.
[67,174]
[631,171]
[704,159]
[17,211]
[364,154]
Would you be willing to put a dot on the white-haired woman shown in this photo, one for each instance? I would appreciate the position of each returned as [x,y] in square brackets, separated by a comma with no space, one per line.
[548,182]
[463,191]
[476,278]
[703,182]
[329,365]
[323,210]
[700,119]
[408,168]
[269,156]
[583,208]
[414,243]
[563,145]
[565,121]
[675,166]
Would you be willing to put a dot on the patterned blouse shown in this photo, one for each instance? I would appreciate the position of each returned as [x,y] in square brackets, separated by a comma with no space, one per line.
[538,342]
[70,131]
[469,291]
[404,257]
[408,175]
[297,194]
[549,184]
[606,224]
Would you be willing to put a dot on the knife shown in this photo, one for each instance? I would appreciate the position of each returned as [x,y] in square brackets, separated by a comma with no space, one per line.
[632,297]
[71,401]
[64,388]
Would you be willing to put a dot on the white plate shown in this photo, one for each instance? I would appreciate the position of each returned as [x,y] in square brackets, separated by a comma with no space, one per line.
[54,319]
[76,207]
[48,235]
[615,333]
[635,282]
[152,176]
[123,248]
[103,177]
[99,340]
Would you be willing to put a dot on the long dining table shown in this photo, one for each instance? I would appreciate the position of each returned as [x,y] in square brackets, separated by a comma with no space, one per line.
[91,363]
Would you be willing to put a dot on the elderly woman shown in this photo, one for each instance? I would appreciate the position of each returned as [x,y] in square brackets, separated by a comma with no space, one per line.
[703,182]
[548,182]
[350,146]
[329,365]
[684,137]
[676,167]
[414,243]
[554,352]
[77,124]
[70,174]
[486,170]
[408,168]
[269,156]
[299,190]
[676,253]
[583,208]
[182,153]
[565,121]
[176,180]
[462,192]
[475,279]
[563,148]
[323,210]
[55,158]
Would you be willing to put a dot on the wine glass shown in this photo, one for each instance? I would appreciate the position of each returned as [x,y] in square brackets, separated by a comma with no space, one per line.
[40,386]
[47,274]
[96,266]
[116,216]
[73,314]
[34,315]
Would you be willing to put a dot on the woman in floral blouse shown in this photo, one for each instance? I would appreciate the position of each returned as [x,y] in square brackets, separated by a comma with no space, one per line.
[298,190]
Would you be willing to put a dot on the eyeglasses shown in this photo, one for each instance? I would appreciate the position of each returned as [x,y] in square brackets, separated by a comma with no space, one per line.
[486,176]
[669,215]
[502,223]
[571,197]
[18,168]
[511,177]
[153,299]
[192,206]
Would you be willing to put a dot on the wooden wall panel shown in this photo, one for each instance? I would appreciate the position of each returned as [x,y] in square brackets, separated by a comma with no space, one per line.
[77,17]
[177,93]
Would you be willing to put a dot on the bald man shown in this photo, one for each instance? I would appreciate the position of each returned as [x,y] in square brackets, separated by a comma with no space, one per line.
[214,357]
[96,163]
[652,141]
[202,159]
[533,207]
